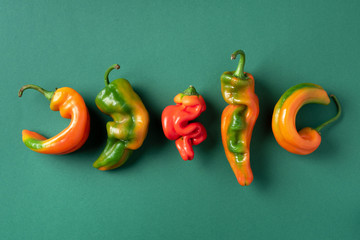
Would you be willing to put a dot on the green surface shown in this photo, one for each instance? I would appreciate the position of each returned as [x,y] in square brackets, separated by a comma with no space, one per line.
[163,47]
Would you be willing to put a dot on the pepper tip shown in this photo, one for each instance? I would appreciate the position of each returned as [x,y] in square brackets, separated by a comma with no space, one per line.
[117,66]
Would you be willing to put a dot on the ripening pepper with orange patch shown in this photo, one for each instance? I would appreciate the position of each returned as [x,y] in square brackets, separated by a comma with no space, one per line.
[131,120]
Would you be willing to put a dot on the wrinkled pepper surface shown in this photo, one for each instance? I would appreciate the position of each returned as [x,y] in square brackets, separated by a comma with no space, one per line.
[238,119]
[130,126]
[175,122]
[307,139]
[71,105]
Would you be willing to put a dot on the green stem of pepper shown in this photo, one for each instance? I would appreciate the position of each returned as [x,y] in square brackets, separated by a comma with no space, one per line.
[47,94]
[115,66]
[190,91]
[239,73]
[318,129]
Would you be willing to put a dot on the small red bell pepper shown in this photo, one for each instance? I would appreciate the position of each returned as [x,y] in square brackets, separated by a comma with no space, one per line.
[175,122]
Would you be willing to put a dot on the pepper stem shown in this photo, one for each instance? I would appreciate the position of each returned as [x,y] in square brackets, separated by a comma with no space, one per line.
[47,94]
[318,129]
[240,69]
[190,91]
[115,66]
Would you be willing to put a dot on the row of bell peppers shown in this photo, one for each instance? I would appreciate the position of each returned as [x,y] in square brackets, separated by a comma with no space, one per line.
[129,127]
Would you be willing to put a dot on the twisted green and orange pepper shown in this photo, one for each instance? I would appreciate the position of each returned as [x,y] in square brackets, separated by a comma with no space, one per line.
[307,139]
[130,126]
[238,119]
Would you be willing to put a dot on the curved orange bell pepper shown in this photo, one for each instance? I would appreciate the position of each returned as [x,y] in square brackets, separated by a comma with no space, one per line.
[71,105]
[307,140]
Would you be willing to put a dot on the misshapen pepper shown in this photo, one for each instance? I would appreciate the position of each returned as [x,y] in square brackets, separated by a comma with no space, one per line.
[307,139]
[175,121]
[71,105]
[131,120]
[238,119]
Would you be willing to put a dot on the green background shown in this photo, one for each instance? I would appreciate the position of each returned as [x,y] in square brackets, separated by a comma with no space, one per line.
[162,47]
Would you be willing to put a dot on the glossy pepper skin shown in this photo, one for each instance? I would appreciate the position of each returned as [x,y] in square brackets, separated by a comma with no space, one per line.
[131,120]
[175,122]
[71,105]
[308,139]
[238,119]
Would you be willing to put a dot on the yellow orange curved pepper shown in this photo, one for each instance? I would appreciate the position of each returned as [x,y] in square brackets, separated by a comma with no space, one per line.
[307,140]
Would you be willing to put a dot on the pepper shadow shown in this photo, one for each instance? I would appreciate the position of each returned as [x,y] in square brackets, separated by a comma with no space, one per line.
[98,135]
[211,119]
[262,134]
[312,115]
